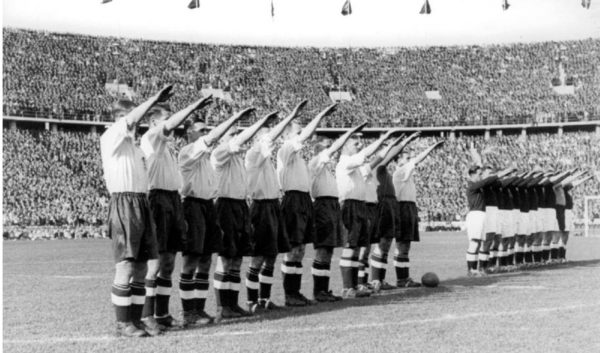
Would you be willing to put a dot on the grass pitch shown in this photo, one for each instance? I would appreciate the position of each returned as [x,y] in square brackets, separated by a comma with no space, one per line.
[57,299]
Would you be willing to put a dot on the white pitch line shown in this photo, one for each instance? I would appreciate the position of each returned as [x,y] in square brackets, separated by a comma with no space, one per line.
[444,318]
[60,276]
[58,262]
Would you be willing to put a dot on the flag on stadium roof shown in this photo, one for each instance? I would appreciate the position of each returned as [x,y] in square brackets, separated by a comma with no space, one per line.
[272,9]
[506,5]
[586,3]
[347,9]
[194,4]
[426,9]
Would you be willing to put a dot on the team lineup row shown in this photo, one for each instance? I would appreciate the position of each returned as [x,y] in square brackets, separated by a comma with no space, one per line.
[293,204]
[518,219]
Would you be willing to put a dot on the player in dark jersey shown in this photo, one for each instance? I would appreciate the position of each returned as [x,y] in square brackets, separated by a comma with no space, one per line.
[476,217]
[568,184]
[387,227]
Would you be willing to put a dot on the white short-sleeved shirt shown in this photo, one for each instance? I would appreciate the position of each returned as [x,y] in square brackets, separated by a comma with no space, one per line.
[350,174]
[371,184]
[199,177]
[262,177]
[322,180]
[163,172]
[123,162]
[404,182]
[228,162]
[291,167]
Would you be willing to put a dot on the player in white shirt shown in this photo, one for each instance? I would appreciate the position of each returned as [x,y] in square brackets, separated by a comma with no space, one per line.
[233,216]
[350,172]
[164,183]
[296,205]
[328,215]
[268,235]
[406,194]
[130,223]
[203,236]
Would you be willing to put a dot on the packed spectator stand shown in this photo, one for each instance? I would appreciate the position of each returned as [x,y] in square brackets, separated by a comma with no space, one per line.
[64,76]
[53,180]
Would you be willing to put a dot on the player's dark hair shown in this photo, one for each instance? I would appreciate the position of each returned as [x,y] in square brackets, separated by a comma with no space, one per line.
[158,111]
[120,106]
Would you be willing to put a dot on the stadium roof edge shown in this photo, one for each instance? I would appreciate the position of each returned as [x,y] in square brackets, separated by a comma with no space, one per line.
[332,47]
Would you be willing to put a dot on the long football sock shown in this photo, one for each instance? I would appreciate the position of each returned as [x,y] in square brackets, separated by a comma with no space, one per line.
[266,281]
[200,290]
[252,284]
[187,285]
[150,300]
[138,298]
[121,299]
[163,294]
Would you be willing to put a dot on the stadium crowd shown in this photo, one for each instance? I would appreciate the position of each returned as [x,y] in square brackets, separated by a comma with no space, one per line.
[64,76]
[55,178]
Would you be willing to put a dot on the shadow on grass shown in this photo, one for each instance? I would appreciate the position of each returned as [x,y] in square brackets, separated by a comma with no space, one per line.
[403,296]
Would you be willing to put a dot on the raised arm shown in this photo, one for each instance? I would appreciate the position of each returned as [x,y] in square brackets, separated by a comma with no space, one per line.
[475,155]
[572,177]
[373,147]
[312,126]
[176,119]
[397,149]
[215,134]
[339,143]
[248,133]
[559,177]
[581,181]
[418,159]
[383,154]
[277,130]
[505,172]
[138,112]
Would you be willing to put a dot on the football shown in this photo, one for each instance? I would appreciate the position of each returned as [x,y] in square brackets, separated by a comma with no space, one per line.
[430,279]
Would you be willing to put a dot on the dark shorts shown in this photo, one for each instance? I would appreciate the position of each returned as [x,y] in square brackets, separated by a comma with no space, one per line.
[233,217]
[389,219]
[356,224]
[560,217]
[268,237]
[298,217]
[372,222]
[131,227]
[167,212]
[409,222]
[203,235]
[328,223]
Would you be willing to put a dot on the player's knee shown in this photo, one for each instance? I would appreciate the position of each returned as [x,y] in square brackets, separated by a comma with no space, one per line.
[404,248]
[385,245]
[204,263]
[256,261]
[269,262]
[189,264]
[236,263]
[139,271]
[123,272]
[153,267]
[323,255]
[474,245]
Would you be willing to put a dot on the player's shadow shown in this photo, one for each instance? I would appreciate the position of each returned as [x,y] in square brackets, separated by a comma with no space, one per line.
[408,296]
[499,277]
[395,296]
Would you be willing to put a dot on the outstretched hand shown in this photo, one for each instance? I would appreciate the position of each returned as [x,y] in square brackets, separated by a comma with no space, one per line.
[204,102]
[164,94]
[328,111]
